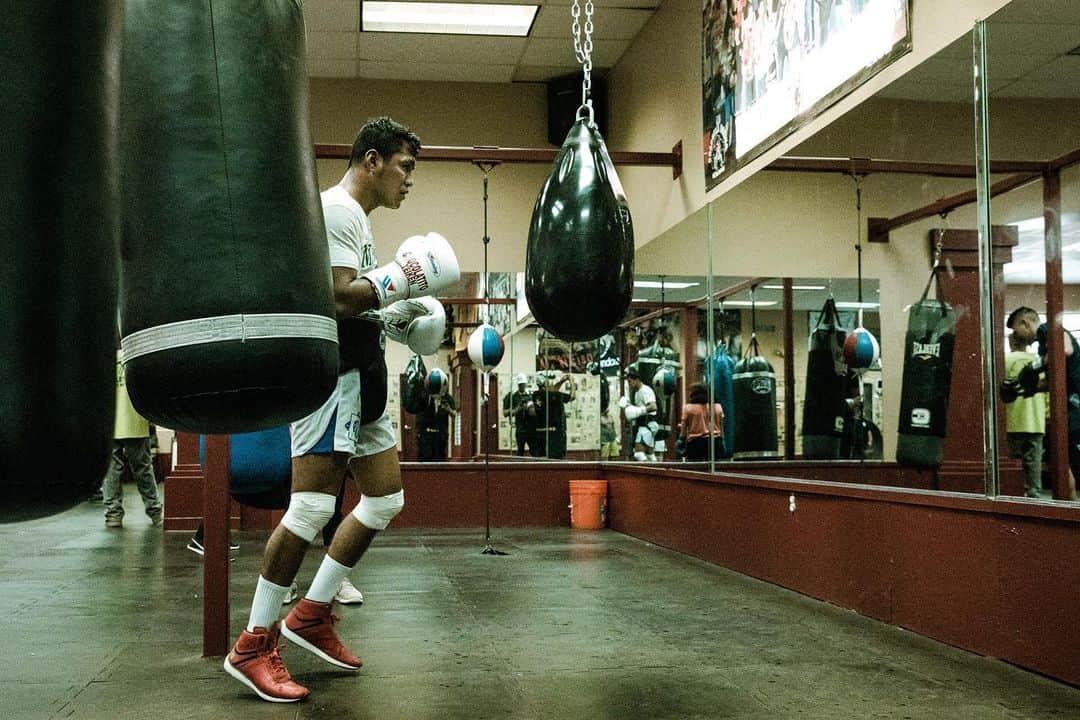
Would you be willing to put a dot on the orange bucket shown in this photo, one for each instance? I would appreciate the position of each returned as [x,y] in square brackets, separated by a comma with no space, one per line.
[588,504]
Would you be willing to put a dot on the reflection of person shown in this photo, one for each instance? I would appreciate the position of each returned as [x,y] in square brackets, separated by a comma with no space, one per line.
[609,437]
[550,405]
[1024,322]
[639,409]
[1025,418]
[433,428]
[332,440]
[658,366]
[701,428]
[130,448]
[516,405]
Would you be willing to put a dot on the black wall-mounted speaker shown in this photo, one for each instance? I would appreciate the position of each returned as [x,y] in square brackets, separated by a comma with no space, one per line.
[564,99]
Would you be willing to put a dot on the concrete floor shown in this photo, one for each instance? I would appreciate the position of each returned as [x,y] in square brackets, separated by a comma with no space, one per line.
[572,624]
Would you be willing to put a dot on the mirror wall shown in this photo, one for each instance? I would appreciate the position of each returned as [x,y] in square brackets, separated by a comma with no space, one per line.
[885,193]
[1033,94]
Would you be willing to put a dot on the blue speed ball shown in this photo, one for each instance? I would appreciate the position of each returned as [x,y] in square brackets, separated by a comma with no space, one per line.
[436,382]
[485,347]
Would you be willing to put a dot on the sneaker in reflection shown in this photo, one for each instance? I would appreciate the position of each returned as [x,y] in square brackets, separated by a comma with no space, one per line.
[347,594]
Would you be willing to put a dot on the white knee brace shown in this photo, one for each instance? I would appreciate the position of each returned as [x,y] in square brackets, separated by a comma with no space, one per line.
[307,514]
[376,512]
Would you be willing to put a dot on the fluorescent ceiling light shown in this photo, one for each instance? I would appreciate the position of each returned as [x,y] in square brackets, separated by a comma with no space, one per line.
[447,18]
[667,285]
[794,287]
[747,303]
[845,305]
[1030,225]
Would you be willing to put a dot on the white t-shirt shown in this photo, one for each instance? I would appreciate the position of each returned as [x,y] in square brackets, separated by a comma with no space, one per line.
[348,231]
[644,396]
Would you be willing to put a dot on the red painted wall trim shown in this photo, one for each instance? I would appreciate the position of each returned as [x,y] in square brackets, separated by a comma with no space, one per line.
[964,570]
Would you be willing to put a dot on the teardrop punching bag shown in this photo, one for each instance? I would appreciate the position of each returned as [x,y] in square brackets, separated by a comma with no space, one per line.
[58,232]
[227,309]
[924,390]
[754,388]
[824,404]
[579,263]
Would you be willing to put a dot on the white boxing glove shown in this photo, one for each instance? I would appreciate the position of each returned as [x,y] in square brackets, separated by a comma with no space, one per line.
[419,323]
[423,265]
[633,412]
[624,401]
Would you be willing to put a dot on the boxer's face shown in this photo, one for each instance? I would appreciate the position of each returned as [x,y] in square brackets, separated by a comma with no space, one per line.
[394,177]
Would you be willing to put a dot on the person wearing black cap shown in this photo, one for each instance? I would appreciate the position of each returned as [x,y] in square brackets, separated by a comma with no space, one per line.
[516,405]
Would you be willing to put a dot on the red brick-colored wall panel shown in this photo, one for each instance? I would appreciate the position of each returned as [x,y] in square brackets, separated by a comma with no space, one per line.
[1038,571]
[994,577]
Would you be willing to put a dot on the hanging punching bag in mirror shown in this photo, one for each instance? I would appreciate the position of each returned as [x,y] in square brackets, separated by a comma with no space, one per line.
[227,310]
[924,390]
[579,263]
[825,403]
[58,231]
[754,390]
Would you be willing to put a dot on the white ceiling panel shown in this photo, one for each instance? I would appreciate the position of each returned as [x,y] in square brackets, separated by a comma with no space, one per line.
[554,21]
[408,49]
[326,44]
[1032,39]
[1046,11]
[560,51]
[436,72]
[330,67]
[1060,78]
[339,15]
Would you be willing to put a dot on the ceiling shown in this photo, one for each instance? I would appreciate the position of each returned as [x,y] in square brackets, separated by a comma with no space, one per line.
[336,47]
[843,289]
[1028,47]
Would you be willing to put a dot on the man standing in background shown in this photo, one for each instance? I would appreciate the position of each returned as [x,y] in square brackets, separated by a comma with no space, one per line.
[131,448]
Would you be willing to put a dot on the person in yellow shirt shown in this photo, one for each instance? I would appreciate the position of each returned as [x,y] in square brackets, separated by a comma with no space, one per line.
[131,447]
[1025,419]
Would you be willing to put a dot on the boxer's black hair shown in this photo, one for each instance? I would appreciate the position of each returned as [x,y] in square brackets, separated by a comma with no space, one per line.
[385,136]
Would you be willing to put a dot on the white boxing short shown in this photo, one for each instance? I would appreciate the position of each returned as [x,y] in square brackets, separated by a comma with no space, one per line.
[335,426]
[644,436]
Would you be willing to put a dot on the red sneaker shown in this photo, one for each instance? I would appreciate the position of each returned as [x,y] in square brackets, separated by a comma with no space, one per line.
[311,626]
[256,662]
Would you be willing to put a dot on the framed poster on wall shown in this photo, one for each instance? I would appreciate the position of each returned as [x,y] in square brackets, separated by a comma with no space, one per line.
[770,66]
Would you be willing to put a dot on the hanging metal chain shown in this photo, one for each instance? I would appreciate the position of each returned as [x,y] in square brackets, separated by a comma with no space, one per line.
[583,47]
[858,238]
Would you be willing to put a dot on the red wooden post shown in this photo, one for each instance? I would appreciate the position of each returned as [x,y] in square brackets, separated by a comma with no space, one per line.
[216,502]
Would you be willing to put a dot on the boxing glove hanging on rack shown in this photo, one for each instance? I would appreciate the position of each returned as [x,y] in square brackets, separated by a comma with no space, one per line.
[227,309]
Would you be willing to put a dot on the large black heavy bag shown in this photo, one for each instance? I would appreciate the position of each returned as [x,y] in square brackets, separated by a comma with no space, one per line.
[58,231]
[260,467]
[924,390]
[227,308]
[754,390]
[579,264]
[362,346]
[824,404]
[414,393]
